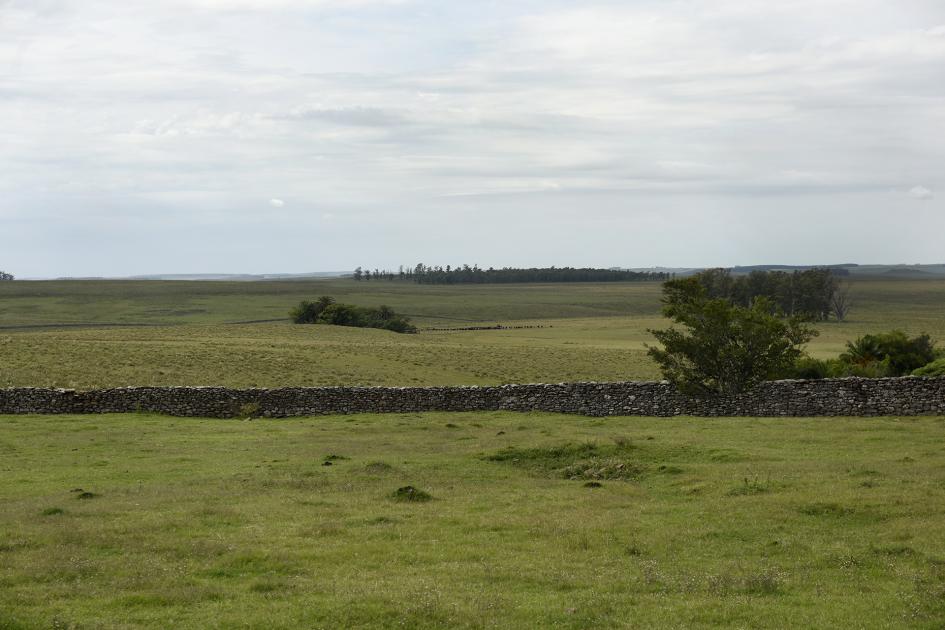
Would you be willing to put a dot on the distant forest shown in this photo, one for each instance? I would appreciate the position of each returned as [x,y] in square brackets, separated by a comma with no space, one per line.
[422,274]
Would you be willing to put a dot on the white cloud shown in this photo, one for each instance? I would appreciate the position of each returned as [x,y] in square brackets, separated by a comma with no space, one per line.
[920,192]
[276,203]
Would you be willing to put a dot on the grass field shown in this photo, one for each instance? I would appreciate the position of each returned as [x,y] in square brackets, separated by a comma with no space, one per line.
[157,302]
[192,523]
[183,333]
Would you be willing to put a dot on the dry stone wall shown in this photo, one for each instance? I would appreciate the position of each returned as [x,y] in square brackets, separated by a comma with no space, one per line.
[829,397]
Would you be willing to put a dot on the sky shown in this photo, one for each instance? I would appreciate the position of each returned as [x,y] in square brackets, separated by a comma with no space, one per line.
[265,136]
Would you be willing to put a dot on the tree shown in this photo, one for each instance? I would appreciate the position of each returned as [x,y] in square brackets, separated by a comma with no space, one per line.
[5,276]
[358,273]
[840,301]
[724,348]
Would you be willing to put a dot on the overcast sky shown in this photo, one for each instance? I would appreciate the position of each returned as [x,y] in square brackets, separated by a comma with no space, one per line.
[145,136]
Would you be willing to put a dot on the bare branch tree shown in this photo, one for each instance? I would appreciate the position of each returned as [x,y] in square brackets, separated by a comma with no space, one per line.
[840,301]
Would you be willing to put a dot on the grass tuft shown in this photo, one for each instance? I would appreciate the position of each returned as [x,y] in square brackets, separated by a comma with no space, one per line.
[409,494]
[826,509]
[573,461]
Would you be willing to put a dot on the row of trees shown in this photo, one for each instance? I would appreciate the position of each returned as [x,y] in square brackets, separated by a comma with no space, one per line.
[423,274]
[5,276]
[325,310]
[813,294]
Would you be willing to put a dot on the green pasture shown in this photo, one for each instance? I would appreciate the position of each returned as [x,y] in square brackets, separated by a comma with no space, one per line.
[129,521]
[187,333]
[181,302]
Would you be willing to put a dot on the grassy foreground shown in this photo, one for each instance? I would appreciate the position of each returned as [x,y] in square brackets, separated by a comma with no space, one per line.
[146,521]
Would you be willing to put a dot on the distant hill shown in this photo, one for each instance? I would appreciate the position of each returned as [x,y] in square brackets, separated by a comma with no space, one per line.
[909,273]
[846,269]
[901,271]
[750,268]
[247,277]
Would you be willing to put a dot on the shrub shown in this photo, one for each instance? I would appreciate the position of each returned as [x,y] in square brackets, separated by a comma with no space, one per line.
[935,368]
[809,368]
[382,317]
[877,356]
[813,369]
[326,311]
[899,353]
[306,312]
[839,368]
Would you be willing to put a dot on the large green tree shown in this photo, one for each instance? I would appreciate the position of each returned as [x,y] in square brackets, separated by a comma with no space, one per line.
[722,348]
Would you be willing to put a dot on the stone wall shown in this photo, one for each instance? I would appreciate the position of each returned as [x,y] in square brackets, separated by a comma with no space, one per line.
[829,397]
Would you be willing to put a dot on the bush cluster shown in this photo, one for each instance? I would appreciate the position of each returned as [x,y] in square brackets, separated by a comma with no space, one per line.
[892,353]
[325,310]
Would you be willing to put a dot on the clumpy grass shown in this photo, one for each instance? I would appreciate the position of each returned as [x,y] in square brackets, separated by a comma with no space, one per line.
[573,461]
[602,468]
[751,484]
[767,581]
[248,411]
[828,509]
[378,468]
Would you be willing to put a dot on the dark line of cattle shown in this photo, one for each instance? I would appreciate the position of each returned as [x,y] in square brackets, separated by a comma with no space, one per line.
[496,327]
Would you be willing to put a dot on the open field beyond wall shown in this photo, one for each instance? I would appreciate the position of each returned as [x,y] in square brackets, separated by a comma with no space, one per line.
[196,523]
[185,333]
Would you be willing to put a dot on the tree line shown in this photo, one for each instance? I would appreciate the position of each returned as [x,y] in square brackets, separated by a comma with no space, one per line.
[812,294]
[465,274]
[5,276]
